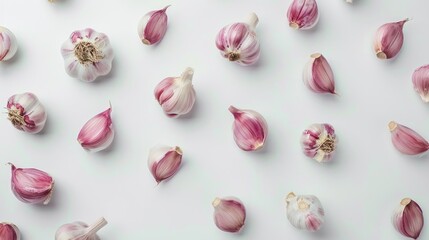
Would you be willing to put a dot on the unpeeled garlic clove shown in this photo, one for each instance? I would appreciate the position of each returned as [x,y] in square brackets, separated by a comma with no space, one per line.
[229,214]
[8,44]
[305,212]
[421,82]
[318,75]
[303,14]
[164,161]
[389,39]
[80,231]
[250,129]
[406,140]
[408,218]
[319,142]
[31,185]
[9,231]
[152,26]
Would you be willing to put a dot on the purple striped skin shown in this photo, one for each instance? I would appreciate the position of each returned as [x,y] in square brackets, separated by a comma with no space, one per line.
[389,39]
[229,214]
[153,26]
[164,162]
[319,141]
[406,140]
[4,45]
[421,82]
[408,219]
[303,14]
[9,231]
[318,75]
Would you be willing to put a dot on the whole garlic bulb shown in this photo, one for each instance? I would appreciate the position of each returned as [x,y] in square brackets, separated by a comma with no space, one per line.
[305,212]
[303,14]
[319,142]
[408,218]
[229,214]
[87,55]
[80,231]
[389,39]
[26,113]
[9,231]
[152,26]
[8,44]
[164,161]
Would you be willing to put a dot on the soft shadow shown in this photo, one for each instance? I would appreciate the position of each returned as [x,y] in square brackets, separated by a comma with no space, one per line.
[53,204]
[110,148]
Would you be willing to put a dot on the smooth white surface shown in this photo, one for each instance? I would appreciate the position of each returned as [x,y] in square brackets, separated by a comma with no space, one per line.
[359,189]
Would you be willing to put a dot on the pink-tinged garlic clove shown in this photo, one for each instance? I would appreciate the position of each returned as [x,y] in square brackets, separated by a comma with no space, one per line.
[305,212]
[80,231]
[318,75]
[8,44]
[238,42]
[9,231]
[26,112]
[421,82]
[408,218]
[87,55]
[176,95]
[31,185]
[319,142]
[406,140]
[389,39]
[303,14]
[97,134]
[153,26]
[229,214]
[249,128]
[164,161]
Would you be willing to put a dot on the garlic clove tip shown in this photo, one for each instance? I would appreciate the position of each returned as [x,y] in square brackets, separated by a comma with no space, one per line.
[216,202]
[294,25]
[392,125]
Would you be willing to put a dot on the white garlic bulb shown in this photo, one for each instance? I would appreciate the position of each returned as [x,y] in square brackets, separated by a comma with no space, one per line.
[80,231]
[304,211]
[8,44]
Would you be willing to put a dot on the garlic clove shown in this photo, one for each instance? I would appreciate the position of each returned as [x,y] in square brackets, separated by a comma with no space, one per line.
[305,212]
[389,39]
[97,134]
[238,42]
[303,14]
[319,142]
[229,214]
[9,231]
[421,82]
[250,129]
[318,75]
[8,44]
[176,95]
[406,140]
[153,26]
[87,55]
[31,185]
[408,218]
[26,112]
[164,161]
[80,231]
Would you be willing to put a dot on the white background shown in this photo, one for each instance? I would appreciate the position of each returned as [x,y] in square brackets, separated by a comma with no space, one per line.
[359,189]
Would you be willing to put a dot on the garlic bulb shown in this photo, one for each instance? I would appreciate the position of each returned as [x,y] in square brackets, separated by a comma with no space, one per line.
[406,140]
[176,95]
[238,42]
[421,82]
[164,161]
[80,231]
[408,218]
[389,39]
[319,142]
[304,212]
[8,44]
[152,26]
[229,214]
[318,75]
[250,129]
[9,231]
[97,134]
[31,185]
[87,55]
[303,14]
[26,113]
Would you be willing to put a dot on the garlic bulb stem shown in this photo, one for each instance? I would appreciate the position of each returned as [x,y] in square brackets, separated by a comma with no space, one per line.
[253,20]
[94,228]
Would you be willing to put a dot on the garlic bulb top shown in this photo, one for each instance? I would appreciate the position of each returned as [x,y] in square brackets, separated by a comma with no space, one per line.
[303,14]
[389,39]
[80,231]
[9,231]
[319,141]
[87,55]
[152,26]
[408,218]
[304,212]
[8,44]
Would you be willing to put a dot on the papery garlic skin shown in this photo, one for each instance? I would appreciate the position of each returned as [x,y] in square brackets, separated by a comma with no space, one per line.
[164,161]
[406,140]
[87,55]
[250,129]
[408,218]
[319,142]
[176,95]
[26,112]
[9,231]
[303,14]
[153,26]
[229,214]
[318,75]
[305,212]
[97,134]
[389,39]
[80,231]
[8,44]
[421,82]
[31,185]
[238,42]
